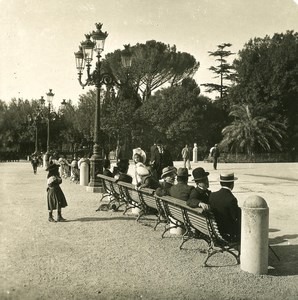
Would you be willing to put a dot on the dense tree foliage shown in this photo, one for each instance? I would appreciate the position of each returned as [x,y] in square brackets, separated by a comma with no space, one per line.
[257,113]
[251,132]
[223,71]
[267,76]
[154,64]
[180,115]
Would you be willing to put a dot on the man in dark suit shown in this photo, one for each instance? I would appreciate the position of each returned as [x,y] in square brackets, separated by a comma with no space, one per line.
[160,158]
[199,196]
[225,208]
[181,190]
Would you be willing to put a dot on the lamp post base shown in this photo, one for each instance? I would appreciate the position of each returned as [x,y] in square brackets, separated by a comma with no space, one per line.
[94,189]
[95,185]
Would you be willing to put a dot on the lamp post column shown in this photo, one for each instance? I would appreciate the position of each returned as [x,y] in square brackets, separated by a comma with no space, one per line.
[83,58]
[50,97]
[48,130]
[96,164]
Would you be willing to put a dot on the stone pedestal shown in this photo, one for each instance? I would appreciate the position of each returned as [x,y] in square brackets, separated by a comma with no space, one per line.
[254,236]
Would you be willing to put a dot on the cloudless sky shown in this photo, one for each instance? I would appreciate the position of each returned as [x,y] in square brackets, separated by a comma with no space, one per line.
[39,37]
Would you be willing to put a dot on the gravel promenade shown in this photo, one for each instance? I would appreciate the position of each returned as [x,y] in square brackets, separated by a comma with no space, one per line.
[108,255]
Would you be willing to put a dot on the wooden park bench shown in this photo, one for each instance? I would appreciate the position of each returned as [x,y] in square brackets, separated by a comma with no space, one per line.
[197,225]
[108,191]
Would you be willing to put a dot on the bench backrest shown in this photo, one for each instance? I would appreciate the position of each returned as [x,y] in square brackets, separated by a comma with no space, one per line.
[198,221]
[147,197]
[107,183]
[130,192]
[173,207]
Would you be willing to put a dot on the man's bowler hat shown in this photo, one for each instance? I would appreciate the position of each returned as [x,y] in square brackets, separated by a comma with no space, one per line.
[199,173]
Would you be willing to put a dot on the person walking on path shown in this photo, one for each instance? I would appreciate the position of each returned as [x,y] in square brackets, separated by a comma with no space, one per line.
[186,156]
[55,196]
[215,153]
[34,162]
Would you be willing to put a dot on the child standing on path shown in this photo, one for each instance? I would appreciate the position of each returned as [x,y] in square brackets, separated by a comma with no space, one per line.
[55,196]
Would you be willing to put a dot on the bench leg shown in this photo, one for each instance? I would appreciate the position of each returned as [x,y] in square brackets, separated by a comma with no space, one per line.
[274,252]
[103,196]
[211,252]
[186,236]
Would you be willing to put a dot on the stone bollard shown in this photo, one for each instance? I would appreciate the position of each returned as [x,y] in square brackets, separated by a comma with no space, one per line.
[195,153]
[254,235]
[84,173]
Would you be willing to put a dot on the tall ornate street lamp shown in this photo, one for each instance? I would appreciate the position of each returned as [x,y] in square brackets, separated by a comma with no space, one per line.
[50,115]
[84,58]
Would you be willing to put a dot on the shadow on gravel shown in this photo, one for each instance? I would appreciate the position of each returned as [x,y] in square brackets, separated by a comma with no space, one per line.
[288,255]
[92,219]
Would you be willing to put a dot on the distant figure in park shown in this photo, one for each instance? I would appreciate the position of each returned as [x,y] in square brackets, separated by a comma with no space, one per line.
[168,176]
[74,169]
[64,166]
[106,168]
[34,162]
[225,208]
[147,179]
[199,196]
[215,153]
[55,196]
[161,158]
[181,190]
[152,153]
[186,156]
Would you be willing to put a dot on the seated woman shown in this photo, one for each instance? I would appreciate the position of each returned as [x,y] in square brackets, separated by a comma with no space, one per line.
[147,180]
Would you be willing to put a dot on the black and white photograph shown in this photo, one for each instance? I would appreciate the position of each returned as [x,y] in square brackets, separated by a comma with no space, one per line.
[149,149]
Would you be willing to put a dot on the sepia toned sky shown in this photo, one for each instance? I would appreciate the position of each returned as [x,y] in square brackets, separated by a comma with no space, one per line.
[38,38]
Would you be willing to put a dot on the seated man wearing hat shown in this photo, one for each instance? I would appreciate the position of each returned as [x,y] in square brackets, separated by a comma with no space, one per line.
[225,208]
[181,190]
[168,176]
[199,196]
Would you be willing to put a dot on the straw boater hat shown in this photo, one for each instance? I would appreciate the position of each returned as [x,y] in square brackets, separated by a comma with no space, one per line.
[168,170]
[182,172]
[227,177]
[199,173]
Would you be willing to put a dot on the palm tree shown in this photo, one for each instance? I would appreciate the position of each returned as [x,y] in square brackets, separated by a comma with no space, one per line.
[251,132]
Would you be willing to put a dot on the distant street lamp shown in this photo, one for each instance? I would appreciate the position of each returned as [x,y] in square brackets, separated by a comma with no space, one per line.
[84,57]
[50,115]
